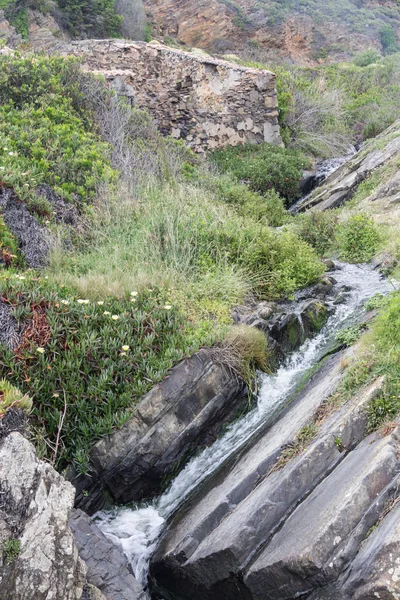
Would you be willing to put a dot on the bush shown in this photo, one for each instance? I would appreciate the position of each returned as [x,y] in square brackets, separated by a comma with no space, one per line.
[318,228]
[11,397]
[358,239]
[44,135]
[268,208]
[264,167]
[90,18]
[366,58]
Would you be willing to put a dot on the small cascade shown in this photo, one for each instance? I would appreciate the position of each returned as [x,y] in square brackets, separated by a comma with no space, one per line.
[137,529]
[323,170]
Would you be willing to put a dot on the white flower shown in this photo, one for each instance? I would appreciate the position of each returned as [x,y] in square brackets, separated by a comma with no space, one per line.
[125,348]
[106,313]
[115,317]
[133,300]
[167,307]
[100,302]
[64,302]
[40,350]
[122,353]
[134,293]
[22,276]
[80,301]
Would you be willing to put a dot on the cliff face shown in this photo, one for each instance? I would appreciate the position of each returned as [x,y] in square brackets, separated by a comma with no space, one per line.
[302,32]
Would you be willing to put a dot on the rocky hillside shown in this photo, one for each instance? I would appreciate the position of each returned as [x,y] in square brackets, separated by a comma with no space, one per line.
[303,32]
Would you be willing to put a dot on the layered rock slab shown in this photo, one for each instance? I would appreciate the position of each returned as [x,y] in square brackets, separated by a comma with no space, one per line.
[205,555]
[342,184]
[182,413]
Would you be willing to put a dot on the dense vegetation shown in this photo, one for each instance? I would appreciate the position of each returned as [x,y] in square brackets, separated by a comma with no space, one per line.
[169,246]
[326,108]
[84,18]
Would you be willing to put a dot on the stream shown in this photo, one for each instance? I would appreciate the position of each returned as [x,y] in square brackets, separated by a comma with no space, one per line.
[137,529]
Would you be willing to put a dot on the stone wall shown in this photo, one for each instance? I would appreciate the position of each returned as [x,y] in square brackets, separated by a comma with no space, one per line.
[206,102]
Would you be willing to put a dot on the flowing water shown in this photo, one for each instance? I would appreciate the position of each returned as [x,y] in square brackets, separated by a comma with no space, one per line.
[137,529]
[323,170]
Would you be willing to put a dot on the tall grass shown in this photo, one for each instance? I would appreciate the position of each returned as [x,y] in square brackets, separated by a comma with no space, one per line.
[179,237]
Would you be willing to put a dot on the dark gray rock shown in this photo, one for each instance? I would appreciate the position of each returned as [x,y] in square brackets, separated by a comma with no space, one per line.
[290,329]
[108,568]
[375,572]
[323,535]
[64,212]
[10,330]
[33,240]
[208,551]
[183,413]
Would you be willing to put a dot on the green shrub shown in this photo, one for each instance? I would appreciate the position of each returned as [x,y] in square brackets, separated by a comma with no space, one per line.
[11,397]
[91,18]
[358,239]
[388,38]
[264,167]
[43,137]
[318,228]
[366,58]
[268,208]
[350,335]
[11,550]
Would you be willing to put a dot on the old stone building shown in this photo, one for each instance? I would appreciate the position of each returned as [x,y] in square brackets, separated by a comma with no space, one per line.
[208,103]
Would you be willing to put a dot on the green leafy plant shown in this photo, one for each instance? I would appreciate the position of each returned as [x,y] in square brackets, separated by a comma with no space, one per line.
[358,239]
[11,550]
[11,397]
[264,167]
[350,335]
[317,228]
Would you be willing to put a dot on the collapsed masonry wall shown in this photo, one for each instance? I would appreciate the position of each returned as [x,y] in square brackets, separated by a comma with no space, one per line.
[206,102]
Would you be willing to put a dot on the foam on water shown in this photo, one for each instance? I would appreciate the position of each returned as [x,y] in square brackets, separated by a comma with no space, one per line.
[137,530]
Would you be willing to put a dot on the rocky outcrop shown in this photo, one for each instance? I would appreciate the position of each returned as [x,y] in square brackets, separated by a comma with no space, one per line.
[342,184]
[107,567]
[277,524]
[208,103]
[8,35]
[295,33]
[38,556]
[183,413]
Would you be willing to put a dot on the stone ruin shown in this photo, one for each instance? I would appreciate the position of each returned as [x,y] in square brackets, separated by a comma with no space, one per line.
[208,103]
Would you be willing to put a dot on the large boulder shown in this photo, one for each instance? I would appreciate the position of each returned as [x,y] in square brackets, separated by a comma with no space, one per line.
[180,415]
[38,557]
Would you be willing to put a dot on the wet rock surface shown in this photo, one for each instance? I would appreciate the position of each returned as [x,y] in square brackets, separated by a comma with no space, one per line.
[184,412]
[343,182]
[107,567]
[261,532]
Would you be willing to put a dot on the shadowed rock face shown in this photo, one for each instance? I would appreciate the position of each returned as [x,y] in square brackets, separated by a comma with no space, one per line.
[183,413]
[107,566]
[342,184]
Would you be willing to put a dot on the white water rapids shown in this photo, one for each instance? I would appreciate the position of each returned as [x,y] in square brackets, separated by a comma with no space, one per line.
[137,529]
